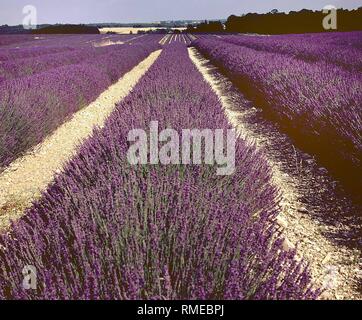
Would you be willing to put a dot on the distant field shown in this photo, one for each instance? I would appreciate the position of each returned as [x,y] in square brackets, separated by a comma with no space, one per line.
[126,30]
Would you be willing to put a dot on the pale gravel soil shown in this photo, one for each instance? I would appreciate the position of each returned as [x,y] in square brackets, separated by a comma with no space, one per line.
[108,42]
[164,39]
[322,224]
[23,181]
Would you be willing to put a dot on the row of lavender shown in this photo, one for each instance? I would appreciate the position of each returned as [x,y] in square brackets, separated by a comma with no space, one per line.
[318,104]
[108,230]
[342,49]
[59,84]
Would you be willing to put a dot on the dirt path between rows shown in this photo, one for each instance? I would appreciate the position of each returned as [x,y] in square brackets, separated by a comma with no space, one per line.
[316,216]
[109,42]
[164,39]
[24,180]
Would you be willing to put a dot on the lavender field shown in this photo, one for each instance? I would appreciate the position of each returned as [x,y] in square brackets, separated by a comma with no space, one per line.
[310,85]
[102,228]
[41,87]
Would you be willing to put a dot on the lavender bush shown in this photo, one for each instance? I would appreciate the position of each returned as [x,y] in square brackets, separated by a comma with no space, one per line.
[108,230]
[318,104]
[31,107]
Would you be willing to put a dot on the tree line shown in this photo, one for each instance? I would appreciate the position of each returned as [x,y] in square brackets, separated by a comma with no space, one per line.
[275,22]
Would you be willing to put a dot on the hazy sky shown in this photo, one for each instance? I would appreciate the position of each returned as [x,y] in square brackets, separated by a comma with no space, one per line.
[86,11]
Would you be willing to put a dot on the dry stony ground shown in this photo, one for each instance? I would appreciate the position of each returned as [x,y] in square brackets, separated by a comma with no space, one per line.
[335,267]
[24,180]
[109,42]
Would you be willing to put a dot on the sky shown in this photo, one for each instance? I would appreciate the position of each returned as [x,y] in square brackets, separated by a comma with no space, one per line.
[125,11]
